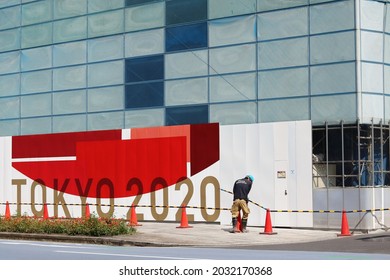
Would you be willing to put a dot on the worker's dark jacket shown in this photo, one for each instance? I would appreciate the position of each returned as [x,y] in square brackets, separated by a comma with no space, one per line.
[241,189]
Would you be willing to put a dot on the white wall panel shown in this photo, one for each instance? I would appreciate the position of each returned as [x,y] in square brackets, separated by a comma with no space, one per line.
[255,149]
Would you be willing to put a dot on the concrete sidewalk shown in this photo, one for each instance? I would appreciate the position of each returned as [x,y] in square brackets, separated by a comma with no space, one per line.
[198,235]
[216,235]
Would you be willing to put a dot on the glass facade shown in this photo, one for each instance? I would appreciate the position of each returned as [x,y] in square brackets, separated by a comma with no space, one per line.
[76,65]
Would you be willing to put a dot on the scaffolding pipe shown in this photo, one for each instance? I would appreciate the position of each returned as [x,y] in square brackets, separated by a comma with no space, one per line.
[381,163]
[327,154]
[359,162]
[372,179]
[342,155]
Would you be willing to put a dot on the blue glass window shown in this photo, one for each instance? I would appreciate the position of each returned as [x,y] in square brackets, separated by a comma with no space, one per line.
[144,69]
[138,2]
[187,115]
[186,37]
[181,11]
[144,95]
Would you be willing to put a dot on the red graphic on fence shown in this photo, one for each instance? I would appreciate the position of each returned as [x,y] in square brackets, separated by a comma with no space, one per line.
[101,164]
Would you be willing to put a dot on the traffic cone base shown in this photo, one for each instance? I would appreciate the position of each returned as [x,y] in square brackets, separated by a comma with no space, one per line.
[45,212]
[344,226]
[7,211]
[238,227]
[87,211]
[133,217]
[184,219]
[268,224]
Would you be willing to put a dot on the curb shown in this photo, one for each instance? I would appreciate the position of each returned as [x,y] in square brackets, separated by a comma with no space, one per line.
[104,240]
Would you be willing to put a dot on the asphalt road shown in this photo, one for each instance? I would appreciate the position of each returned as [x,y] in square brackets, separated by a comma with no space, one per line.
[38,250]
[377,243]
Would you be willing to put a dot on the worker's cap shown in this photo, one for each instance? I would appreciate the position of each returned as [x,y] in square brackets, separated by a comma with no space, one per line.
[250,177]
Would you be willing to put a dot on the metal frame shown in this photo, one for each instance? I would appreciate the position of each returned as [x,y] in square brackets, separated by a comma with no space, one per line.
[364,166]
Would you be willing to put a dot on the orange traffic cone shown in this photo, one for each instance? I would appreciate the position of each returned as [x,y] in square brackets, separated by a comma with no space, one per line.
[45,212]
[87,211]
[7,211]
[268,224]
[184,219]
[344,225]
[239,223]
[133,217]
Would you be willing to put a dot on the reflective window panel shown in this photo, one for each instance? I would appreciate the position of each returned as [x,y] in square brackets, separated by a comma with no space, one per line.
[144,95]
[99,5]
[36,105]
[144,43]
[9,40]
[372,15]
[36,35]
[9,3]
[37,58]
[69,123]
[10,108]
[10,85]
[284,110]
[70,78]
[387,79]
[37,81]
[107,23]
[227,8]
[372,107]
[36,126]
[70,29]
[333,108]
[9,127]
[182,11]
[282,24]
[233,59]
[230,31]
[186,64]
[333,78]
[189,91]
[269,5]
[144,69]
[105,48]
[283,53]
[387,48]
[372,77]
[372,46]
[144,118]
[106,73]
[138,2]
[108,120]
[145,17]
[187,115]
[333,16]
[69,102]
[186,37]
[70,8]
[37,12]
[284,83]
[10,17]
[333,47]
[234,113]
[105,99]
[9,62]
[233,87]
[70,53]
[387,109]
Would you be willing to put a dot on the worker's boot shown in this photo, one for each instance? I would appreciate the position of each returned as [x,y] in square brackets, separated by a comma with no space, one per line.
[244,222]
[234,226]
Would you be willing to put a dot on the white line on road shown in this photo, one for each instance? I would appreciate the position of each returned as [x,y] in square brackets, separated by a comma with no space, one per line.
[126,255]
[44,245]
